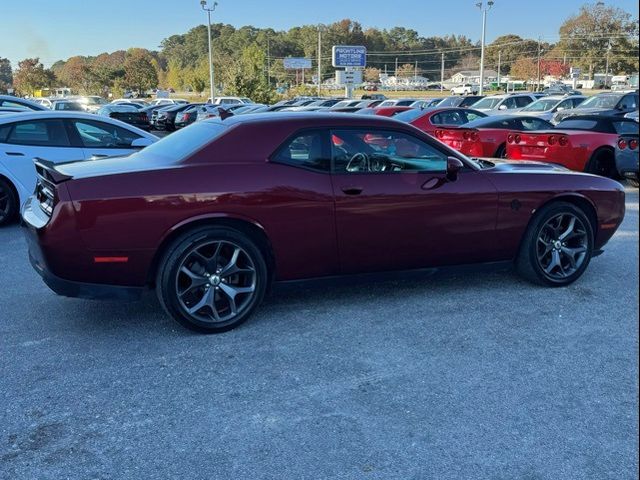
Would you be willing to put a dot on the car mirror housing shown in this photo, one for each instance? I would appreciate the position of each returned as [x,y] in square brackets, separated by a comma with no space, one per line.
[502,107]
[454,165]
[141,142]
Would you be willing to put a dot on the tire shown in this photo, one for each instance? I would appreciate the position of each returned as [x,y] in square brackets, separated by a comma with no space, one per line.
[8,202]
[194,289]
[602,163]
[501,152]
[543,245]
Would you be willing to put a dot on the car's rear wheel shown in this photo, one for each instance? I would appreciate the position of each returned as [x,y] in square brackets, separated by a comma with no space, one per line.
[212,279]
[557,246]
[8,202]
[502,151]
[602,163]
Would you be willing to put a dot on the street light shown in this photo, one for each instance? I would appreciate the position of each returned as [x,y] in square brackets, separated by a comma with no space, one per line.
[206,8]
[484,9]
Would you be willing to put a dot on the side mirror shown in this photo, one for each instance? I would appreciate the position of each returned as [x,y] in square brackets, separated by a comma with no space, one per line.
[454,165]
[502,107]
[559,109]
[141,142]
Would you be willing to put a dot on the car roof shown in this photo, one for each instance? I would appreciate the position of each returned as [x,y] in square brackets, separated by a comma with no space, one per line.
[307,119]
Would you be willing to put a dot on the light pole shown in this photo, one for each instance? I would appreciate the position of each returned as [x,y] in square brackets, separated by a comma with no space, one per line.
[606,70]
[206,8]
[484,9]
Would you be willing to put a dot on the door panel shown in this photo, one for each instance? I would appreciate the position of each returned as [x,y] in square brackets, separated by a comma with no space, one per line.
[407,217]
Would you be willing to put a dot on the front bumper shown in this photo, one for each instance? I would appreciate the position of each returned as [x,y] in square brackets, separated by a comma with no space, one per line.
[34,223]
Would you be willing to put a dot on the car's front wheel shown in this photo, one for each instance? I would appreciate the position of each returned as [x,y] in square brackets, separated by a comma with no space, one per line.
[212,279]
[557,246]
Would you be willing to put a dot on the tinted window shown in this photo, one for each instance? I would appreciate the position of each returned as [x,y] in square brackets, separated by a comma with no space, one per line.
[488,102]
[103,135]
[404,103]
[49,133]
[451,117]
[565,104]
[522,101]
[4,131]
[183,143]
[509,103]
[409,115]
[629,101]
[472,116]
[577,101]
[379,151]
[304,150]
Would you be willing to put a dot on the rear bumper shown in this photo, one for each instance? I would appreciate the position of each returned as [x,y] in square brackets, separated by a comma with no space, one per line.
[627,164]
[34,222]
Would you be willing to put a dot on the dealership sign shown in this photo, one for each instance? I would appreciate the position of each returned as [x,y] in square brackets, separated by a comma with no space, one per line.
[294,63]
[349,56]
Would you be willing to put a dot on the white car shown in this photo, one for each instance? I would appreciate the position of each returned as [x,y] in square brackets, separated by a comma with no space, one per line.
[465,89]
[230,101]
[57,137]
[496,104]
[168,101]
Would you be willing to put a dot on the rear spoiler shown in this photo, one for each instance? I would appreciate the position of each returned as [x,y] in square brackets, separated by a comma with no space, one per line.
[47,170]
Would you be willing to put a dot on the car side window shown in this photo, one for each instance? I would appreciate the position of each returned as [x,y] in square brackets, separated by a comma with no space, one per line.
[306,150]
[94,134]
[380,151]
[629,101]
[44,133]
[471,116]
[4,132]
[510,103]
[529,124]
[565,104]
[448,118]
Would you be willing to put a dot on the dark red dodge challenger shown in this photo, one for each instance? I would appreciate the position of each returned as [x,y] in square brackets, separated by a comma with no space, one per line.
[214,213]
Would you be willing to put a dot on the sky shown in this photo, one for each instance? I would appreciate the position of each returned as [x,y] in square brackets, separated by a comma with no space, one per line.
[58,29]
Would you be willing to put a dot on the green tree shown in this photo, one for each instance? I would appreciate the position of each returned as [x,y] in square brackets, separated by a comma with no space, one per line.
[585,39]
[246,77]
[6,74]
[139,71]
[31,76]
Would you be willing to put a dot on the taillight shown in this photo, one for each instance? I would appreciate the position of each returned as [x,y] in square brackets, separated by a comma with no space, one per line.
[633,144]
[467,135]
[517,139]
[551,140]
[622,144]
[510,138]
[563,141]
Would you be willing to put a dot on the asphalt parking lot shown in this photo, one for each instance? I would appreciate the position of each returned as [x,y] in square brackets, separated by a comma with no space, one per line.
[446,377]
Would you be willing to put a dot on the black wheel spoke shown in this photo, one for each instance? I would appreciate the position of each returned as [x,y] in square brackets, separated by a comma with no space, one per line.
[562,246]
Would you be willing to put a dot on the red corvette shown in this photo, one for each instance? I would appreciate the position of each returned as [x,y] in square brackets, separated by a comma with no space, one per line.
[430,119]
[210,219]
[583,143]
[487,137]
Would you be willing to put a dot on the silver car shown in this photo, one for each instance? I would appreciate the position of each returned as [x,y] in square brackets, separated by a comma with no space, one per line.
[546,107]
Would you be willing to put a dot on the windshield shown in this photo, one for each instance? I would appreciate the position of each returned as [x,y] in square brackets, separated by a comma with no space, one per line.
[409,115]
[542,105]
[487,103]
[180,145]
[600,101]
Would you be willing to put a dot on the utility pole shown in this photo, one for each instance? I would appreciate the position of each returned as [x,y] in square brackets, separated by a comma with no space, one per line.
[415,75]
[539,52]
[268,62]
[484,30]
[203,4]
[606,70]
[396,74]
[319,61]
[442,73]
[499,65]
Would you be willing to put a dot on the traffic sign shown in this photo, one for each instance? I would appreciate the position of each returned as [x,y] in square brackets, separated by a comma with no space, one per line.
[349,56]
[295,63]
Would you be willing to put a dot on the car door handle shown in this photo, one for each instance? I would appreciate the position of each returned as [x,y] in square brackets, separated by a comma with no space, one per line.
[352,190]
[15,154]
[98,155]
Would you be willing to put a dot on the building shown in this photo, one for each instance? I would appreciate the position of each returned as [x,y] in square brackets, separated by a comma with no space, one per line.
[473,76]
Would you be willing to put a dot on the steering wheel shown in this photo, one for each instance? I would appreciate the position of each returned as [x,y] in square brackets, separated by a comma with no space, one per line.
[358,163]
[379,163]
